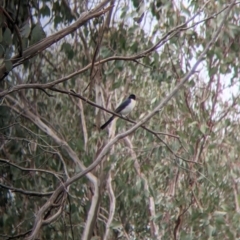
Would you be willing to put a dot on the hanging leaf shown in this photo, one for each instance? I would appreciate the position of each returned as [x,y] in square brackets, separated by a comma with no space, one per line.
[25,29]
[7,36]
[1,35]
[67,48]
[45,10]
[8,65]
[2,50]
[37,34]
[8,52]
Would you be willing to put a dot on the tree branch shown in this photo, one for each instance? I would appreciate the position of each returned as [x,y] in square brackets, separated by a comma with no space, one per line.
[145,53]
[30,169]
[108,146]
[31,193]
[45,43]
[20,107]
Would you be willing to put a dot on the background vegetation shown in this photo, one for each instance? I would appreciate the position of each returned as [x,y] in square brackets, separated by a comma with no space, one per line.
[64,65]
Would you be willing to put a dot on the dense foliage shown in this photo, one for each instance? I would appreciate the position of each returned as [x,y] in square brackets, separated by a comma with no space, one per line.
[63,64]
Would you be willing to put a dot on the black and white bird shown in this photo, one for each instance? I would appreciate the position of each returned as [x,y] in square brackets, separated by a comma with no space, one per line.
[124,108]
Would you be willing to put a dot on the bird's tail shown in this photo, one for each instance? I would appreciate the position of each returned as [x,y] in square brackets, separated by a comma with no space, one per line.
[107,122]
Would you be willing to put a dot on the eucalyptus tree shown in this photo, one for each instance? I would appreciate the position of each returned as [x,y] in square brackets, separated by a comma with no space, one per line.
[169,171]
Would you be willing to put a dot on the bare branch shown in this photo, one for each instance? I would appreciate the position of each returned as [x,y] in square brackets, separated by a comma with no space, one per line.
[16,236]
[84,127]
[25,192]
[31,169]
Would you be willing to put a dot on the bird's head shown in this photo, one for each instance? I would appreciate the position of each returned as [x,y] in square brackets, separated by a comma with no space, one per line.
[132,96]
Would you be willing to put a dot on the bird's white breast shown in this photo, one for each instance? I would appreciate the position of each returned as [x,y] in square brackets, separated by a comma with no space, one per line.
[128,108]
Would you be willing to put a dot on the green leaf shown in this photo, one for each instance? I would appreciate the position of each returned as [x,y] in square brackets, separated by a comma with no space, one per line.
[136,3]
[8,65]
[116,225]
[37,34]
[120,65]
[105,52]
[24,43]
[1,19]
[1,35]
[8,52]
[57,20]
[67,48]
[124,12]
[2,50]
[116,84]
[25,30]
[45,11]
[7,36]
[213,71]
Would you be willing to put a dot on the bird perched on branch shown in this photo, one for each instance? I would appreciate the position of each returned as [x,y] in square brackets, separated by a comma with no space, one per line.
[124,109]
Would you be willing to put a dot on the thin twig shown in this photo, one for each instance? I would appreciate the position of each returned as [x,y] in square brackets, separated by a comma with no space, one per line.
[6,161]
[25,192]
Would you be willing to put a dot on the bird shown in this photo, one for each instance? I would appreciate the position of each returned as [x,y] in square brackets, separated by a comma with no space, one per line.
[124,108]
